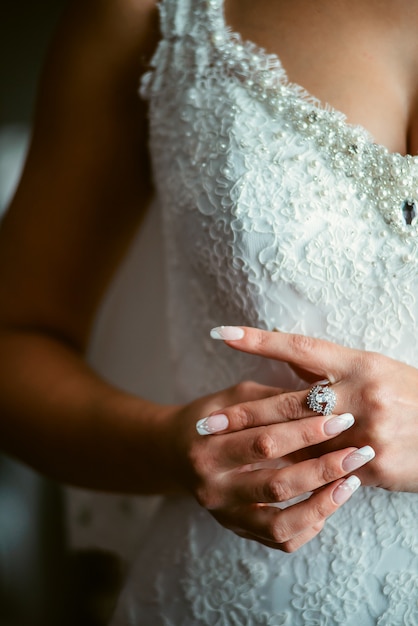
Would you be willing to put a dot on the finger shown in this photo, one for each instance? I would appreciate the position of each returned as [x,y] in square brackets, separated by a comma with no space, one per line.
[250,391]
[323,358]
[280,527]
[292,545]
[307,535]
[278,440]
[271,486]
[273,409]
[243,392]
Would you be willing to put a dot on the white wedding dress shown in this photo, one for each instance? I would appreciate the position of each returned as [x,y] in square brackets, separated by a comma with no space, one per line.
[276,213]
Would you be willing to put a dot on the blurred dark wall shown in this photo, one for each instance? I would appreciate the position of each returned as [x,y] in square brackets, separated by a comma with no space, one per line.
[32,535]
[25,29]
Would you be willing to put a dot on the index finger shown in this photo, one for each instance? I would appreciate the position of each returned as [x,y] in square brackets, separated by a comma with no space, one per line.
[324,358]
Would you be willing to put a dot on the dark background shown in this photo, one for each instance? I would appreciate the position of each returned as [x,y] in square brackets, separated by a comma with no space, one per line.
[25,30]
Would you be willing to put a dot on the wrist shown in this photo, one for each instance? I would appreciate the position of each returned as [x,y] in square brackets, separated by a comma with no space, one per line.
[167,439]
[128,434]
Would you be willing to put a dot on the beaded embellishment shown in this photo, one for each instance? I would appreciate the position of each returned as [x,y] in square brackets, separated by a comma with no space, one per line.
[350,148]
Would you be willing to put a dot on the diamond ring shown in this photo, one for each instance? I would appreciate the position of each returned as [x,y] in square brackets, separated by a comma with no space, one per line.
[321,398]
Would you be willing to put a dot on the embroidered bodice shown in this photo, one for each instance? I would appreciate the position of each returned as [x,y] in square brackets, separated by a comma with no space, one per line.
[276,213]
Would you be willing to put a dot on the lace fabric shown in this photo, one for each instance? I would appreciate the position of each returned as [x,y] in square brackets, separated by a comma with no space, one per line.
[268,223]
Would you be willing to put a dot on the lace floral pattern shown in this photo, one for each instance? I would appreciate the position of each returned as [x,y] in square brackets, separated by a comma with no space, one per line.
[264,228]
[401,590]
[200,574]
[223,590]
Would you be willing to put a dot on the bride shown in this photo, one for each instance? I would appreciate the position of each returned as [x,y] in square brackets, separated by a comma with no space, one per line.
[275,140]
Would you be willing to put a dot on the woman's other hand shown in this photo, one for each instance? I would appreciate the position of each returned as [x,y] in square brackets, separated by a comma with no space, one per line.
[380,392]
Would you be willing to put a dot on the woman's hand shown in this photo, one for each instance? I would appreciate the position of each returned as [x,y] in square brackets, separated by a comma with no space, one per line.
[380,392]
[237,474]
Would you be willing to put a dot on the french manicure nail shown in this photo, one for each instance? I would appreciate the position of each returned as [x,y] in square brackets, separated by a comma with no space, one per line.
[358,458]
[338,424]
[227,332]
[212,424]
[345,490]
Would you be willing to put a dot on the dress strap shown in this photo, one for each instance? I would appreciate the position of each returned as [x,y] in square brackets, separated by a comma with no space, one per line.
[188,29]
[174,17]
[190,17]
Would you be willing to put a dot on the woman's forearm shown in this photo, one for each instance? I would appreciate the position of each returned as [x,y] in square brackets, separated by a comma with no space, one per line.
[61,418]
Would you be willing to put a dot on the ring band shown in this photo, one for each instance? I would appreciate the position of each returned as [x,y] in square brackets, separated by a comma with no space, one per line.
[321,398]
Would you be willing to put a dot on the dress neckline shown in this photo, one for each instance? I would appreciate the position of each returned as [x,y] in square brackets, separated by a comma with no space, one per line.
[280,77]
[387,181]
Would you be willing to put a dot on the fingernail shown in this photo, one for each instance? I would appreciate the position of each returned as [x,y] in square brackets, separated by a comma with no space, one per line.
[212,424]
[345,490]
[338,424]
[227,332]
[358,458]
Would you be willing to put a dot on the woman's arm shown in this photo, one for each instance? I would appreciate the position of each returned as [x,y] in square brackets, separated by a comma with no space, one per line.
[84,188]
[86,181]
